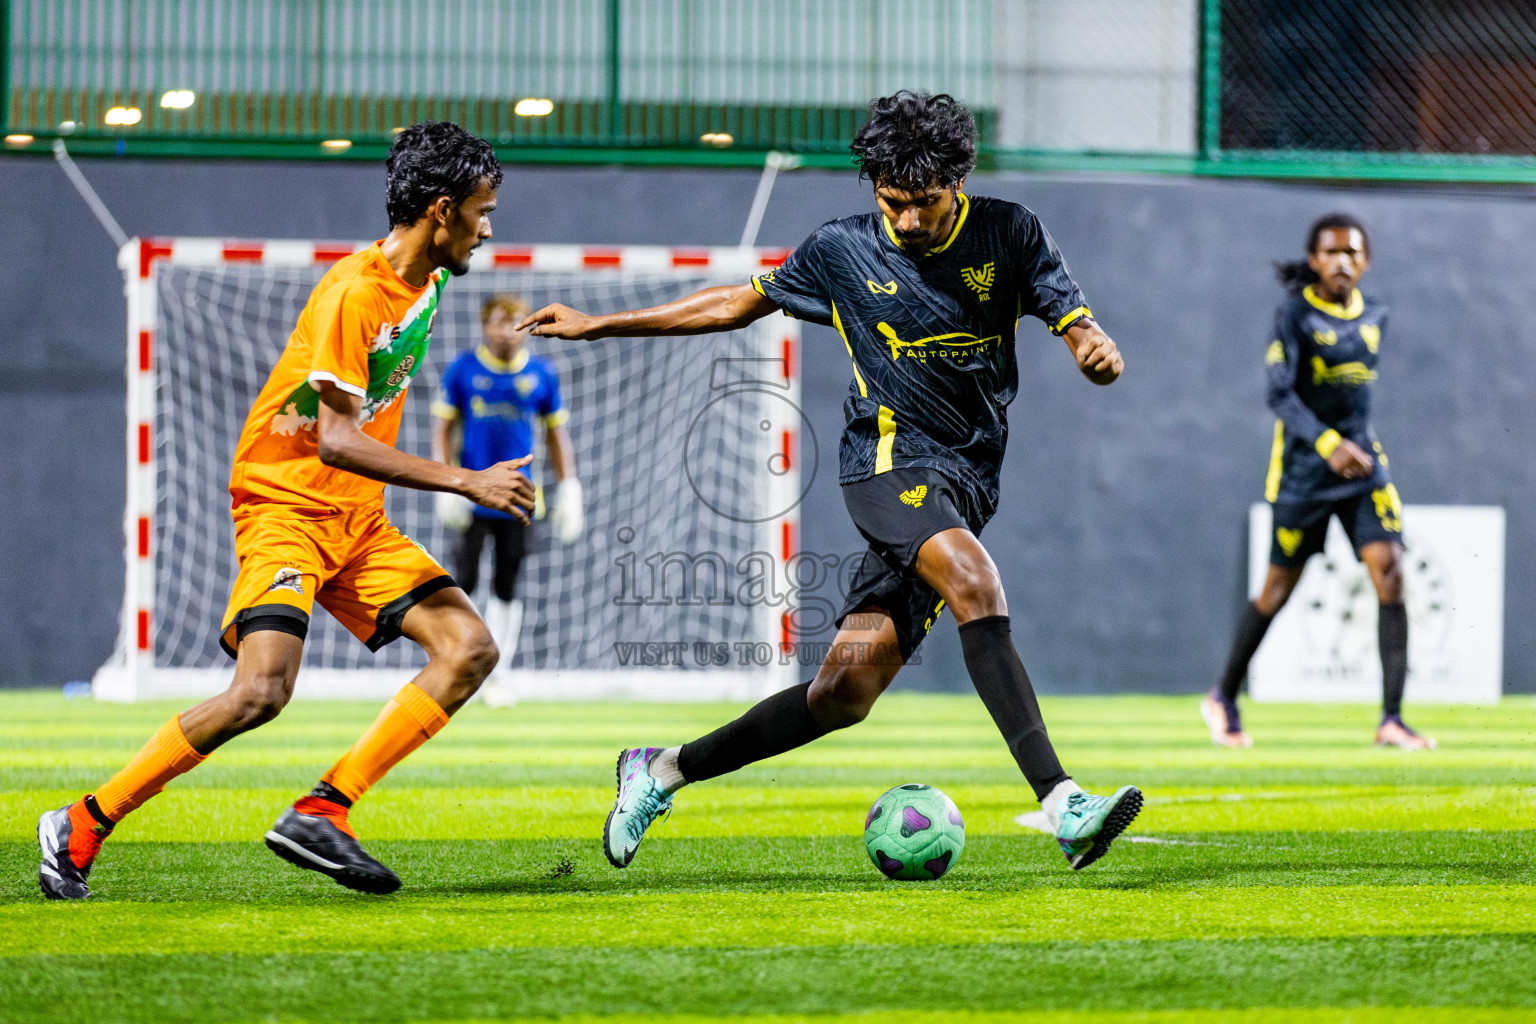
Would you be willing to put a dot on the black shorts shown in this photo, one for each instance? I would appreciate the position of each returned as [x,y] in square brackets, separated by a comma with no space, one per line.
[511,539]
[1299,529]
[897,512]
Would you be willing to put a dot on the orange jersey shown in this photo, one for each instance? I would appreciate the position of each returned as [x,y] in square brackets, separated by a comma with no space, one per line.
[365,330]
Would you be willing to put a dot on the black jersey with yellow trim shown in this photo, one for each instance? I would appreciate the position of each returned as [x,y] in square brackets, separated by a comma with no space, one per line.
[931,337]
[1321,369]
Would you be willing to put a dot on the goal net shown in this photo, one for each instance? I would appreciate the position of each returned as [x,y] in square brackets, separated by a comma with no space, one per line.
[686,448]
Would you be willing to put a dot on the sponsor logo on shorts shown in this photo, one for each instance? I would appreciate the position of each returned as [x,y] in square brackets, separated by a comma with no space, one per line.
[288,578]
[934,617]
[915,496]
[1289,540]
[1389,508]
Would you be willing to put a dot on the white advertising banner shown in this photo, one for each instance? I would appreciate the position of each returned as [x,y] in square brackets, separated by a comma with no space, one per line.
[1322,646]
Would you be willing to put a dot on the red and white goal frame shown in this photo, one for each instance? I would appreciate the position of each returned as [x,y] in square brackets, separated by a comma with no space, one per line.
[132,673]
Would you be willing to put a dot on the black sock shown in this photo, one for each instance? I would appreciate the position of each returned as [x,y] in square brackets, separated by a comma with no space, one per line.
[97,813]
[1392,636]
[771,726]
[326,791]
[1000,679]
[1251,628]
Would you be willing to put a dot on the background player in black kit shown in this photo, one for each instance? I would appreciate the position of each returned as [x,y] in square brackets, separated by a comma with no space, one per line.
[1326,462]
[926,294]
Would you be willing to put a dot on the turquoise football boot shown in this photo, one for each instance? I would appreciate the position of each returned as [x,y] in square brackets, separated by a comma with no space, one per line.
[1089,824]
[640,802]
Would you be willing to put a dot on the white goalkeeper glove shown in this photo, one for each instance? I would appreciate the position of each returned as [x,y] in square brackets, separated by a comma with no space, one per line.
[454,511]
[569,519]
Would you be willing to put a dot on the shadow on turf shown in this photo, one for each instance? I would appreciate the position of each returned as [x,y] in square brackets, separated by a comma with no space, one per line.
[247,872]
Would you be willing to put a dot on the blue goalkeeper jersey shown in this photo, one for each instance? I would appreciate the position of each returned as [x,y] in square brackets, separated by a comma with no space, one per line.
[930,337]
[497,403]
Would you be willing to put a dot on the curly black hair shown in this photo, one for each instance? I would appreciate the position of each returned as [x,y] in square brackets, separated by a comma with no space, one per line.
[914,140]
[436,158]
[1297,274]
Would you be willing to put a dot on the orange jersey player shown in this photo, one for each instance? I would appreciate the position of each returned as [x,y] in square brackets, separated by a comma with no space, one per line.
[308,489]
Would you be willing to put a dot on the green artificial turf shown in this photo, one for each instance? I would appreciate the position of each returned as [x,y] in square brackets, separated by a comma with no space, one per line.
[1313,878]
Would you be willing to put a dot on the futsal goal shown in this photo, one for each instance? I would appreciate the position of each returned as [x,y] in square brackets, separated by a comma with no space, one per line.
[687,449]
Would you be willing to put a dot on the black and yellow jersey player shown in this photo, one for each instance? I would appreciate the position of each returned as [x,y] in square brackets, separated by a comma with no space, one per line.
[1326,462]
[926,291]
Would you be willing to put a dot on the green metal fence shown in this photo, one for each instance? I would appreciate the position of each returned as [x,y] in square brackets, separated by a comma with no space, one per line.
[288,75]
[1389,89]
[1438,89]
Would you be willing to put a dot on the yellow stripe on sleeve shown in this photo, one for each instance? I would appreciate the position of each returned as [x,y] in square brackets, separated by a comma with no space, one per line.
[1071,318]
[558,418]
[1328,443]
[887,423]
[445,410]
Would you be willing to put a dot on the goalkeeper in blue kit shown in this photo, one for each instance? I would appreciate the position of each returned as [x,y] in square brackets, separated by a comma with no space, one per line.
[489,401]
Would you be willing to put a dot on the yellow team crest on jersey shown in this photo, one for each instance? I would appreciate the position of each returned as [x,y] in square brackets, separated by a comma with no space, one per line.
[889,288]
[1290,540]
[979,279]
[525,383]
[915,496]
[1371,335]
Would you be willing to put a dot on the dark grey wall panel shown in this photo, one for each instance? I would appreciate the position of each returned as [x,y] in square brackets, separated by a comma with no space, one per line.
[1121,535]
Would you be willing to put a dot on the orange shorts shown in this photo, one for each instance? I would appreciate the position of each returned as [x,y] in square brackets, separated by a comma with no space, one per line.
[362,570]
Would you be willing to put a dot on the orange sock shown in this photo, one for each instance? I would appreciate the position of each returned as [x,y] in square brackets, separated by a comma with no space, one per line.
[407,721]
[86,834]
[165,756]
[322,808]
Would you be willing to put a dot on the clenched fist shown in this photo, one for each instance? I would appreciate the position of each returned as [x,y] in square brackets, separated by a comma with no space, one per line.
[1097,356]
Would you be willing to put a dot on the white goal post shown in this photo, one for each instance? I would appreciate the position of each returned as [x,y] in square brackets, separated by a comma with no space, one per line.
[689,450]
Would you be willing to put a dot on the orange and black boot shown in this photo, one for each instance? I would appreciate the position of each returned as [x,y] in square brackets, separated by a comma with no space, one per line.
[70,838]
[314,834]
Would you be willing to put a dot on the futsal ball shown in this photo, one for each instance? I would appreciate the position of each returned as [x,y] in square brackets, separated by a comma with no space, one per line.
[914,832]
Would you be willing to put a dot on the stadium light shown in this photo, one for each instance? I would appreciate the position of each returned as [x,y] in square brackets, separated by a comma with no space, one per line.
[337,145]
[534,108]
[717,139]
[178,99]
[17,139]
[122,116]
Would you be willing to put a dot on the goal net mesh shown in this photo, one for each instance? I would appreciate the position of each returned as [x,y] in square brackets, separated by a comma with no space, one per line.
[671,465]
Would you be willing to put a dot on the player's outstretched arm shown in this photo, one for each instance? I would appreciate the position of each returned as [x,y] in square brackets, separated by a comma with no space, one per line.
[343,445]
[714,309]
[1096,355]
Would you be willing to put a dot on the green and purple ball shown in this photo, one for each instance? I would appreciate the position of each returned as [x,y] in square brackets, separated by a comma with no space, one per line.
[914,832]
